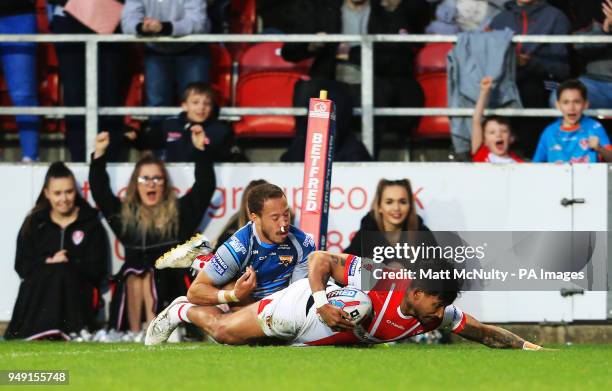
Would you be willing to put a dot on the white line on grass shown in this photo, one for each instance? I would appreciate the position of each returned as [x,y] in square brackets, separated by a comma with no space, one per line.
[118,350]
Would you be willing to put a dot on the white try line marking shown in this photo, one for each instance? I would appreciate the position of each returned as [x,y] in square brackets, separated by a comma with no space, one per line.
[117,350]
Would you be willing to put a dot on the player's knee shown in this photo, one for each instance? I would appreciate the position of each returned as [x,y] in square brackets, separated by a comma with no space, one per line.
[223,334]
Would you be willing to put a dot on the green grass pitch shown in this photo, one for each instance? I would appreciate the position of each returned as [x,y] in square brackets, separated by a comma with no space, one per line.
[194,366]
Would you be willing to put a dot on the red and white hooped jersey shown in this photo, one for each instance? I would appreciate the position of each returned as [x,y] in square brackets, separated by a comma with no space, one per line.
[389,323]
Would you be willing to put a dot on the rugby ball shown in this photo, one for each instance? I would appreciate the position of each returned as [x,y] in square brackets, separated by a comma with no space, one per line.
[353,301]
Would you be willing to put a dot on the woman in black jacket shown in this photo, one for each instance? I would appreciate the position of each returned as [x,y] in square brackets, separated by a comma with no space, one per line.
[148,222]
[393,219]
[62,256]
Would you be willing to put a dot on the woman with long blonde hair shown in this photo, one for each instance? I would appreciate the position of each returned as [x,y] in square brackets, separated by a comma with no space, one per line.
[148,221]
[392,219]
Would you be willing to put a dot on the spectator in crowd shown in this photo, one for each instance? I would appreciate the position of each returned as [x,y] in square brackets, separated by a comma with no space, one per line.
[111,79]
[454,16]
[173,134]
[392,219]
[337,66]
[240,218]
[18,60]
[169,67]
[574,138]
[597,58]
[62,256]
[491,137]
[540,65]
[148,222]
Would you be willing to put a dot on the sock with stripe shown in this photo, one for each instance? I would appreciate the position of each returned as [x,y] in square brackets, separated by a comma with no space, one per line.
[178,313]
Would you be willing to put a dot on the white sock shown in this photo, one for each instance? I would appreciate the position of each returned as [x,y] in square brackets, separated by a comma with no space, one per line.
[178,313]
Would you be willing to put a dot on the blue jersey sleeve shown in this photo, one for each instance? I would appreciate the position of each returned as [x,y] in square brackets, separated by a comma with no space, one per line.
[541,153]
[599,131]
[306,243]
[229,258]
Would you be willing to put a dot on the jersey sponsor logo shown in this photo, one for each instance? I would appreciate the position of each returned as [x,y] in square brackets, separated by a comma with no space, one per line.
[218,264]
[308,241]
[236,245]
[77,237]
[284,246]
[285,260]
[353,268]
[254,252]
[556,147]
[202,259]
[392,323]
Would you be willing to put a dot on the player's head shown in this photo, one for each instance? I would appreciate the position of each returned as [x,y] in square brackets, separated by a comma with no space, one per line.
[243,213]
[150,200]
[572,101]
[426,298]
[269,211]
[59,193]
[497,134]
[393,206]
[198,102]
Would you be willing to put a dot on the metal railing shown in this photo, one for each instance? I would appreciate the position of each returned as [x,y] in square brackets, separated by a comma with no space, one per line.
[367,110]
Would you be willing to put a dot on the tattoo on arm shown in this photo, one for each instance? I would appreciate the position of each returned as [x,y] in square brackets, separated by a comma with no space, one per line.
[337,260]
[493,336]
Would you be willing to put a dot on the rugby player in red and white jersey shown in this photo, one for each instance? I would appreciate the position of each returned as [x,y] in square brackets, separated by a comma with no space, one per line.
[301,315]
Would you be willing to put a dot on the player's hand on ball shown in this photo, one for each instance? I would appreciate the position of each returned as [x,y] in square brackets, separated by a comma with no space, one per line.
[245,284]
[102,141]
[198,137]
[335,318]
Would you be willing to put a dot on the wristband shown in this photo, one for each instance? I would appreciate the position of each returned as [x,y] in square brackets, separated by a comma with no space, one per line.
[320,299]
[530,346]
[221,298]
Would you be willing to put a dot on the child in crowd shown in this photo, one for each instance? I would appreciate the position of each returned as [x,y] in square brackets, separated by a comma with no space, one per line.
[173,136]
[574,138]
[491,138]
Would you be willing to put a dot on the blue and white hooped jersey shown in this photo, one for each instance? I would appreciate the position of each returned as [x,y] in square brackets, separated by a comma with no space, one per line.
[276,265]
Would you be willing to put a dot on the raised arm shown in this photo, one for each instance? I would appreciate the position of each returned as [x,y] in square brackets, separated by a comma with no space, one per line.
[493,336]
[485,90]
[321,266]
[100,182]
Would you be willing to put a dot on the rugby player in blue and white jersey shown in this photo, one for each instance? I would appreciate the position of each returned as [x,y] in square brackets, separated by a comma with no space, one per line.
[261,258]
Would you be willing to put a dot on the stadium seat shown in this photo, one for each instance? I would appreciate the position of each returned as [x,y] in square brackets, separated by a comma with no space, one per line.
[433,127]
[432,58]
[266,89]
[221,73]
[266,57]
[242,20]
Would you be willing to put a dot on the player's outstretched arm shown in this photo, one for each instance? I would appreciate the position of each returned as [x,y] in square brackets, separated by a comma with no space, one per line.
[321,266]
[203,291]
[493,336]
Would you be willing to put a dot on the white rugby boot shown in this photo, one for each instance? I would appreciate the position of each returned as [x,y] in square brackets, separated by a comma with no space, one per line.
[183,255]
[162,326]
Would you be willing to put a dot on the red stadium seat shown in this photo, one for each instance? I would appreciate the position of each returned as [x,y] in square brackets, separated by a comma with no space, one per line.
[432,57]
[266,57]
[266,89]
[433,127]
[221,73]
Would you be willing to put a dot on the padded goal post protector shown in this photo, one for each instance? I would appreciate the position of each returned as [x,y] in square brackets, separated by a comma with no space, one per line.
[318,168]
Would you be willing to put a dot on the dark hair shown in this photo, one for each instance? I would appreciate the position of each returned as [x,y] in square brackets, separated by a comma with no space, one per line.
[56,170]
[446,289]
[199,88]
[572,84]
[259,194]
[496,118]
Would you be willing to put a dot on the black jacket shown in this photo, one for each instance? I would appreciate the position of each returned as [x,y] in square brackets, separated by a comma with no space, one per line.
[390,59]
[85,241]
[173,136]
[369,236]
[55,300]
[141,252]
[14,7]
